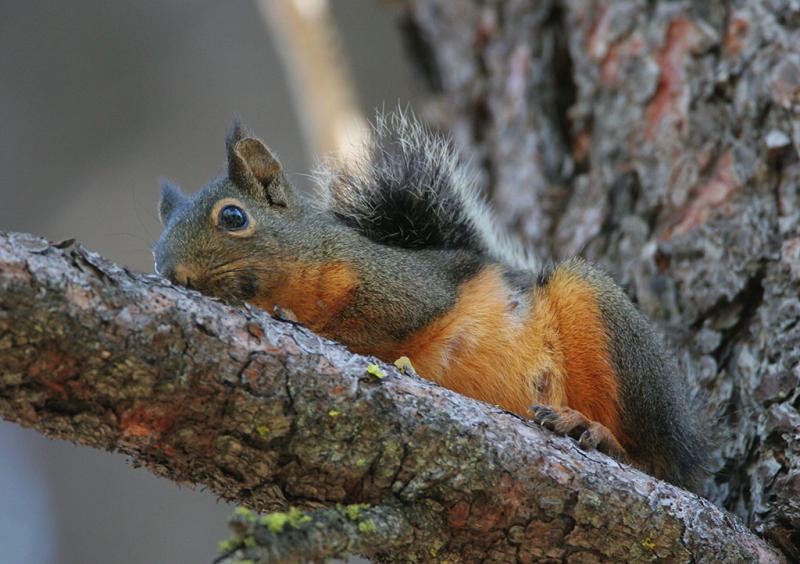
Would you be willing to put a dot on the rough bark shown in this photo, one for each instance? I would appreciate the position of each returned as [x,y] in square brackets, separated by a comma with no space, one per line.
[269,415]
[660,139]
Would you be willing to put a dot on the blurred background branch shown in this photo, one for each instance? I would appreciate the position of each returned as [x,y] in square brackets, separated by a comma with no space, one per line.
[319,74]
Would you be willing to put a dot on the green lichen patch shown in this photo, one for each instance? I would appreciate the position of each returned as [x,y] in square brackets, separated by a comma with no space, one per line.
[353,511]
[245,514]
[278,520]
[367,526]
[376,371]
[404,364]
[229,545]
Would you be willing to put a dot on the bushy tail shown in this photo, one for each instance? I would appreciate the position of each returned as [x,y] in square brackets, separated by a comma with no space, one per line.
[410,189]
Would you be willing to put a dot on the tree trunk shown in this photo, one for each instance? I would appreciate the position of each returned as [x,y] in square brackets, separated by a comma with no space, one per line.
[659,139]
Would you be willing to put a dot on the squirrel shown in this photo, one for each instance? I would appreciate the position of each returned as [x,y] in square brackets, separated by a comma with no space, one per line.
[396,255]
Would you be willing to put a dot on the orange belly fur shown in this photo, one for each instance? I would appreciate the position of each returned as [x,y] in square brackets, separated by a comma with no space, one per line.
[549,347]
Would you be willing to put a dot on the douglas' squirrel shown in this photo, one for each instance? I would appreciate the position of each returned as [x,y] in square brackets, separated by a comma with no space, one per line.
[397,256]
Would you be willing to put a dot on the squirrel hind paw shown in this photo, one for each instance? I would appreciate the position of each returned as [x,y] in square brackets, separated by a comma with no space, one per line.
[589,434]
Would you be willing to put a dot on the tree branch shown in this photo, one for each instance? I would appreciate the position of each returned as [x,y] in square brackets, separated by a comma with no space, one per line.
[268,414]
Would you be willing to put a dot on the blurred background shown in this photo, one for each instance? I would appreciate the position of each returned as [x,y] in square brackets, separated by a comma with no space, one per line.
[98,100]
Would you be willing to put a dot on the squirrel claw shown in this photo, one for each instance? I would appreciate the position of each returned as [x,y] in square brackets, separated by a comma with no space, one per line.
[589,434]
[546,417]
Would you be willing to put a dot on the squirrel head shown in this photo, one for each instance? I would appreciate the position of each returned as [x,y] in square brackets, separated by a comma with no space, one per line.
[229,239]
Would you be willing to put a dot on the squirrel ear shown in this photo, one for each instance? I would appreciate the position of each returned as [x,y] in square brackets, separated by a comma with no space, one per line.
[171,199]
[253,167]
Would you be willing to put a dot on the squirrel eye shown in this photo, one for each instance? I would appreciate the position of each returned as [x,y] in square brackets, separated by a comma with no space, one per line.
[232,218]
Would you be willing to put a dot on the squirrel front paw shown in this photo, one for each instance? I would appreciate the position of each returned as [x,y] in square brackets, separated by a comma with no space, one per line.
[590,434]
